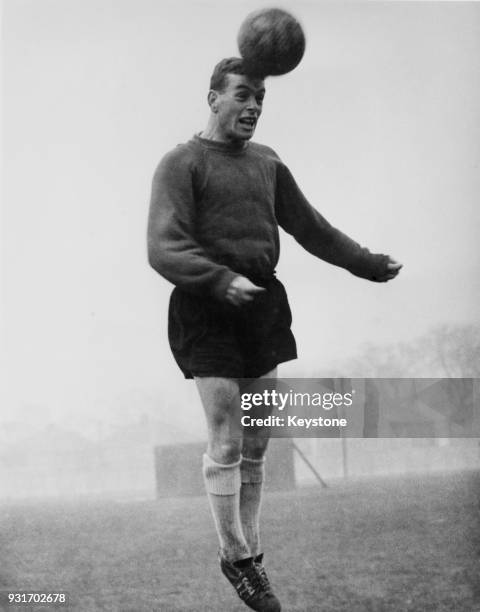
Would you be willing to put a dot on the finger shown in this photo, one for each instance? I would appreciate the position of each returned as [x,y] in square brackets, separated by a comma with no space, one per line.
[235,298]
[243,298]
[255,289]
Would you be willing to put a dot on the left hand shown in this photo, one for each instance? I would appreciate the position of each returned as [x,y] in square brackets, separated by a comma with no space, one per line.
[393,268]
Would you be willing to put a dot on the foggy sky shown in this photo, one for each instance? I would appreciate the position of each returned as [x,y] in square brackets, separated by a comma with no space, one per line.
[379,124]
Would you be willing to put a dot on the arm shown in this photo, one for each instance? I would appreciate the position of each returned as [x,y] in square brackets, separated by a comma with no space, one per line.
[172,248]
[297,217]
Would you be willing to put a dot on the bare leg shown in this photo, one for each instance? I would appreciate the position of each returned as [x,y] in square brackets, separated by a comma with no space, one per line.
[221,466]
[252,476]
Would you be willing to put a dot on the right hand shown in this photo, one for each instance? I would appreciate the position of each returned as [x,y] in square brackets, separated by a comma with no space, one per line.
[241,291]
[393,268]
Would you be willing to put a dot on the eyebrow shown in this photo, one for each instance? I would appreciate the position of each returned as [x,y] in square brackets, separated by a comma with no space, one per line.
[245,87]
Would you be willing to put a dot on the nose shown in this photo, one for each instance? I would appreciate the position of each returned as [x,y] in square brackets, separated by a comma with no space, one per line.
[253,105]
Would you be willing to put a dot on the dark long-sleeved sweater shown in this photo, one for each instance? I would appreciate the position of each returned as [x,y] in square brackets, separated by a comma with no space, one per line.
[215,211]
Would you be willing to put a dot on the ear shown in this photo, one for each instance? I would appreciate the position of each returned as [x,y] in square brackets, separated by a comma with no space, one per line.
[212,99]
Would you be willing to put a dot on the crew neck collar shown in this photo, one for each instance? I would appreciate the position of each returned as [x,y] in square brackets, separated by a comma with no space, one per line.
[218,145]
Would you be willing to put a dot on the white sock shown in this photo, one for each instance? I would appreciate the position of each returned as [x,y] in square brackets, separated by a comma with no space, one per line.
[252,475]
[222,483]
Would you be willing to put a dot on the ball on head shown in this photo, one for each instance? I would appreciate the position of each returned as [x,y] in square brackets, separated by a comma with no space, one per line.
[271,42]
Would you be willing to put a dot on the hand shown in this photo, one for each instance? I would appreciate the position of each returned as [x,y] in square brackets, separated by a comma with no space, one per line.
[241,291]
[393,268]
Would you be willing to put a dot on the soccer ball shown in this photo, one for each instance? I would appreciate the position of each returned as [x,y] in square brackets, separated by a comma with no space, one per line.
[271,42]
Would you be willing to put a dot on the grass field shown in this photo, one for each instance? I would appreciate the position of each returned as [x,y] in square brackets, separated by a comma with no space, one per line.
[374,545]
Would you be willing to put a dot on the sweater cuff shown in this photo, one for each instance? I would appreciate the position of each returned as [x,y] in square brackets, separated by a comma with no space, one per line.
[380,267]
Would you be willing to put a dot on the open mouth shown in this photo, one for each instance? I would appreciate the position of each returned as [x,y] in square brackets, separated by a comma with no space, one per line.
[248,121]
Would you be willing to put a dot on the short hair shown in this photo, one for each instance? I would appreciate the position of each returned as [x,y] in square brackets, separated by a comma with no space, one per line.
[229,65]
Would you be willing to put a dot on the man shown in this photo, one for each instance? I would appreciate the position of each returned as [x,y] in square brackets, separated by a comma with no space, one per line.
[217,202]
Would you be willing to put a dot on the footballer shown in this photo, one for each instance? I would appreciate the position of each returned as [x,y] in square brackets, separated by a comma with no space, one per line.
[216,207]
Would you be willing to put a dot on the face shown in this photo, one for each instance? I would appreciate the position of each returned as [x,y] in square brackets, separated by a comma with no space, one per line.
[238,108]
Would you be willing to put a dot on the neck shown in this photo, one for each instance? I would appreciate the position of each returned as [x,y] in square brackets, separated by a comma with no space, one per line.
[212,132]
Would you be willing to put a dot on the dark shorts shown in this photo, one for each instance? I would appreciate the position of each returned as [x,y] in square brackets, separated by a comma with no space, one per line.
[209,338]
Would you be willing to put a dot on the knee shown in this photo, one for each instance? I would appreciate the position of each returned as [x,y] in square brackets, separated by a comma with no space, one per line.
[226,451]
[254,447]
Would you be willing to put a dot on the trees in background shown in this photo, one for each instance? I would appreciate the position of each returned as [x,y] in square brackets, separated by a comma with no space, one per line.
[446,351]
